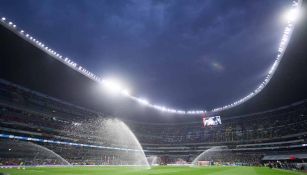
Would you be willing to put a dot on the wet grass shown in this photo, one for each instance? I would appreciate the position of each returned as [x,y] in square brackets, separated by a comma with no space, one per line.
[160,170]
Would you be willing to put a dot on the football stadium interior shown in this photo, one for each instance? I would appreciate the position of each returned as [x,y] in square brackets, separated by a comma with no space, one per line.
[56,119]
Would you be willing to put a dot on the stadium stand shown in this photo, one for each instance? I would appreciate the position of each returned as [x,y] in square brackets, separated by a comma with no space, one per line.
[252,139]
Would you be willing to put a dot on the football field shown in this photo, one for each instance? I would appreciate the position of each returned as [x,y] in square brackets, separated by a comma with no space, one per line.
[167,170]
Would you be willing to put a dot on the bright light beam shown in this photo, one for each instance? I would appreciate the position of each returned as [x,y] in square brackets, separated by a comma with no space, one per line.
[292,15]
[125,92]
[114,86]
[143,101]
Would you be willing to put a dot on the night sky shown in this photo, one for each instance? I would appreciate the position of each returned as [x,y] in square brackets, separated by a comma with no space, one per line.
[184,54]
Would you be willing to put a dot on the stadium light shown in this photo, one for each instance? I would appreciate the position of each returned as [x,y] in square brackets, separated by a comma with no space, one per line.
[115,86]
[143,101]
[292,15]
[125,92]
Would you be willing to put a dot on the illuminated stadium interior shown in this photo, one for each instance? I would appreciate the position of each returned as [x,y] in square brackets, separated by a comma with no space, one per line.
[114,86]
[59,117]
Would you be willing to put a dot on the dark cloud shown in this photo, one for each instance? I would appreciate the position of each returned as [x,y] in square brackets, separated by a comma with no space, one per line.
[178,53]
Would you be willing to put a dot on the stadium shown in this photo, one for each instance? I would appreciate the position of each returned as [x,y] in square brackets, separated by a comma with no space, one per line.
[59,117]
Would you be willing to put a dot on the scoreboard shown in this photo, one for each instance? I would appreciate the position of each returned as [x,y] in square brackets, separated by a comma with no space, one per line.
[211,121]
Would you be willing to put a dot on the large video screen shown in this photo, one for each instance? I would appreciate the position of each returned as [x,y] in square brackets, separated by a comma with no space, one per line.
[212,121]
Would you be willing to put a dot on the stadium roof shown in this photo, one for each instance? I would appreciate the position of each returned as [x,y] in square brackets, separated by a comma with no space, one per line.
[27,65]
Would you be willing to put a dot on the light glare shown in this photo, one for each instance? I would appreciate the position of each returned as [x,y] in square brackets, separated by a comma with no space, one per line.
[292,15]
[143,101]
[125,92]
[114,86]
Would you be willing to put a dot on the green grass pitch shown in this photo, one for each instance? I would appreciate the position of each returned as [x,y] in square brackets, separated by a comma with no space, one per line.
[167,170]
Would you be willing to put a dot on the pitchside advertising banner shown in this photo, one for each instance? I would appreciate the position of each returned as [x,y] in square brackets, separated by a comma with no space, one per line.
[211,121]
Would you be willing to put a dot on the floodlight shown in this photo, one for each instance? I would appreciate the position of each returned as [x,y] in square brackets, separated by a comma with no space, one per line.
[125,92]
[143,101]
[114,86]
[292,15]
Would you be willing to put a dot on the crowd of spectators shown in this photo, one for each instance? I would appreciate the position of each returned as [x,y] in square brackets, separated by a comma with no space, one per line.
[287,165]
[64,119]
[217,158]
[268,125]
[27,113]
[27,153]
[51,116]
[27,162]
